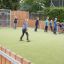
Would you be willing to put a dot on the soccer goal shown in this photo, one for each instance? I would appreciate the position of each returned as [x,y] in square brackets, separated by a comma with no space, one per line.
[4,17]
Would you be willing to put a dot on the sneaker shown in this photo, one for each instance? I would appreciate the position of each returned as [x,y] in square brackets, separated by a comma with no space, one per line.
[28,40]
[21,40]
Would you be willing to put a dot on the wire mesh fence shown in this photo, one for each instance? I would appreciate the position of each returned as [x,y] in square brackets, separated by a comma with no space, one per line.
[4,17]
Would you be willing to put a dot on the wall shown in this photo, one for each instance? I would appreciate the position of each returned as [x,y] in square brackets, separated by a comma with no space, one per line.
[21,15]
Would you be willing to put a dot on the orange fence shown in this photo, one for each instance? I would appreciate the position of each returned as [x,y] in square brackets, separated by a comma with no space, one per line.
[21,15]
[18,58]
[41,24]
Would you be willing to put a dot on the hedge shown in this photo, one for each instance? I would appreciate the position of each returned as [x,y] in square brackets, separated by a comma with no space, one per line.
[55,12]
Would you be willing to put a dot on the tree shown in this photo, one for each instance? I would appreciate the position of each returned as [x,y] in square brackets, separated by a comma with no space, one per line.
[32,5]
[26,5]
[47,3]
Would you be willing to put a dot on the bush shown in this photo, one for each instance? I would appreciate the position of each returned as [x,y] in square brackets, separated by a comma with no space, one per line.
[55,12]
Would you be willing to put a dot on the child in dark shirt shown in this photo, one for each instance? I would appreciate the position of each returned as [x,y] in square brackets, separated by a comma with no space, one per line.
[36,24]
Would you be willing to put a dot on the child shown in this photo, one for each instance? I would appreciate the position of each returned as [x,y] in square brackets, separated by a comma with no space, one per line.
[62,27]
[15,22]
[55,25]
[46,24]
[51,25]
[36,24]
[24,30]
[58,27]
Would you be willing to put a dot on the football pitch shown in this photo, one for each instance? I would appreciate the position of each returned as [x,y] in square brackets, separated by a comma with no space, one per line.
[43,48]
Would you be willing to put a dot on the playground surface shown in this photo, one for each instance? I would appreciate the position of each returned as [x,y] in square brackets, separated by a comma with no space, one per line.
[43,48]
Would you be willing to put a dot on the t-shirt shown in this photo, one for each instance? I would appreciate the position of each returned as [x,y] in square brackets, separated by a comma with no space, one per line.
[37,22]
[25,25]
[15,20]
[46,22]
[55,24]
[51,23]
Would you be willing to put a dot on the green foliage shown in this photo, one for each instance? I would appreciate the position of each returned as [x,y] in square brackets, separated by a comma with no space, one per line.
[46,11]
[9,4]
[32,5]
[47,3]
[55,12]
[28,5]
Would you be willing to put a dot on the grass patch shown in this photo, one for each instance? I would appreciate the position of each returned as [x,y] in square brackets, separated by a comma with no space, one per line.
[44,48]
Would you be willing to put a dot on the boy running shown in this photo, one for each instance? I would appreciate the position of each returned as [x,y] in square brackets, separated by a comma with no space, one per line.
[24,30]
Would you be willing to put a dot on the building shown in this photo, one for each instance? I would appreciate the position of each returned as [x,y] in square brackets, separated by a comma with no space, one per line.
[57,3]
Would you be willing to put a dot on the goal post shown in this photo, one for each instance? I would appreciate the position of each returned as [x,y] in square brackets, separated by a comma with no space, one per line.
[4,17]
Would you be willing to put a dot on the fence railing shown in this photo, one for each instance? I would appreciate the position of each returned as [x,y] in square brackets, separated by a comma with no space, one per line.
[8,57]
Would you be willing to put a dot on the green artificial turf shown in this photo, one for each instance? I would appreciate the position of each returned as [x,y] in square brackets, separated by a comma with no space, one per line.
[44,48]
